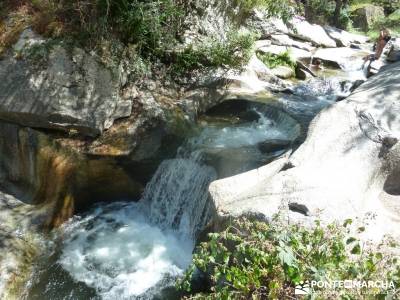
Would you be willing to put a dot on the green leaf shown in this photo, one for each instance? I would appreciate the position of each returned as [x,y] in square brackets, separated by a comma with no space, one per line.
[347,222]
[350,240]
[286,256]
[356,249]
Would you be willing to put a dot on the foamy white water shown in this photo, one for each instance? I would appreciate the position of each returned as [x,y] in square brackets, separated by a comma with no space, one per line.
[117,251]
[124,249]
[236,136]
[177,196]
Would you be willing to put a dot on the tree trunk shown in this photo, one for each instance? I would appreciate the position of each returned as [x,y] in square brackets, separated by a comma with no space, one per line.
[336,14]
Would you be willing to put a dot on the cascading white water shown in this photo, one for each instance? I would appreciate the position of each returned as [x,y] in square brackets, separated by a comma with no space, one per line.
[246,134]
[177,196]
[119,253]
[355,69]
[131,250]
[123,249]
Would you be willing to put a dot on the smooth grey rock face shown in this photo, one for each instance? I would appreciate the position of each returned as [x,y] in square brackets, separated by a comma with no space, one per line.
[348,167]
[71,90]
[285,40]
[294,52]
[283,72]
[266,26]
[344,38]
[313,33]
[337,57]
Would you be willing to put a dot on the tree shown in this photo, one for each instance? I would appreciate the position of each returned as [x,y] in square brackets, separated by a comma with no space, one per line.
[340,4]
[326,11]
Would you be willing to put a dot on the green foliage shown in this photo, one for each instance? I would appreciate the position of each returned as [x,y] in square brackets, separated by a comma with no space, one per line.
[151,25]
[391,22]
[389,5]
[255,260]
[275,60]
[322,12]
[154,27]
[282,9]
[234,52]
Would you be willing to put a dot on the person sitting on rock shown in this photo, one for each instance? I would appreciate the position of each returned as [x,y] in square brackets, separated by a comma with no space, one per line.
[383,39]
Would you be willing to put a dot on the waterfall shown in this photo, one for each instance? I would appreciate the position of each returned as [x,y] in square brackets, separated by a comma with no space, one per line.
[125,250]
[177,195]
[136,250]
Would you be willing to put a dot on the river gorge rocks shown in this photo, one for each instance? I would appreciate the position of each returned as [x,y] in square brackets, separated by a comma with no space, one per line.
[393,51]
[339,57]
[310,32]
[344,38]
[74,131]
[51,86]
[43,184]
[342,171]
[38,170]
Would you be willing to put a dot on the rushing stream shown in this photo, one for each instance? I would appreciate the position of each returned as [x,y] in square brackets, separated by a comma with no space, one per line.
[136,250]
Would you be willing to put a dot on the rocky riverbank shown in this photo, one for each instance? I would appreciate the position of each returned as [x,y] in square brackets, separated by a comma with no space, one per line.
[75,130]
[346,169]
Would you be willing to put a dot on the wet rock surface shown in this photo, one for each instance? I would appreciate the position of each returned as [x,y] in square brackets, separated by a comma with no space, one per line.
[342,171]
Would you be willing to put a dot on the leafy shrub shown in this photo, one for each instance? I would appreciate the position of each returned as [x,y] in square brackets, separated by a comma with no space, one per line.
[282,9]
[275,60]
[153,26]
[149,24]
[389,5]
[255,260]
[391,22]
[10,30]
[234,52]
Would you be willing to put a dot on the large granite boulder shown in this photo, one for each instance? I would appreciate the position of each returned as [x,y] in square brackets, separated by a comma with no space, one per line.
[53,86]
[265,25]
[348,167]
[339,57]
[344,38]
[313,33]
[283,72]
[365,16]
[294,52]
[285,40]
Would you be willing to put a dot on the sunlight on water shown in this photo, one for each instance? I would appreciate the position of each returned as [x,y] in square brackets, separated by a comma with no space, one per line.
[248,134]
[117,251]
